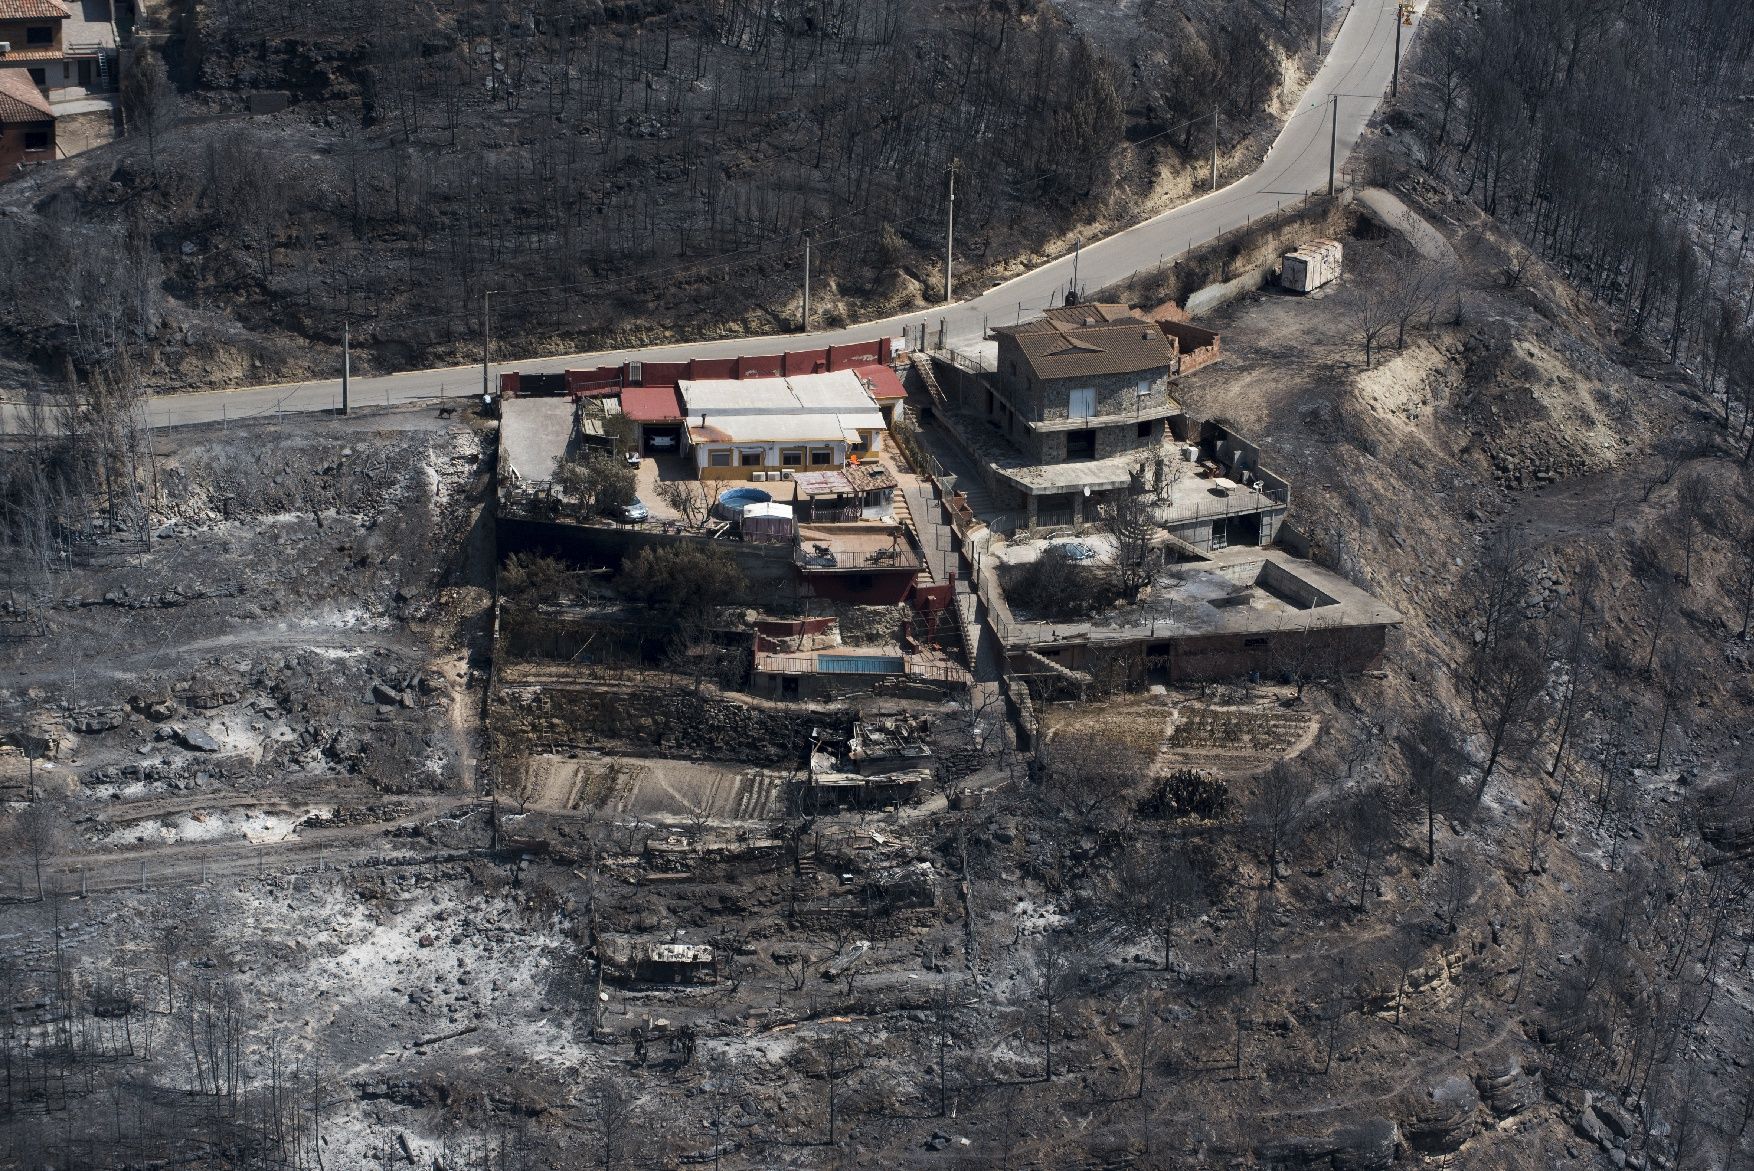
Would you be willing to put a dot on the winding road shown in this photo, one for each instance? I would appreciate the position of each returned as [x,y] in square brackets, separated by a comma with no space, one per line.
[1337,105]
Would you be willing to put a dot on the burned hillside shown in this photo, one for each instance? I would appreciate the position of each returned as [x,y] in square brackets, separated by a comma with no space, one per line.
[1320,749]
[634,172]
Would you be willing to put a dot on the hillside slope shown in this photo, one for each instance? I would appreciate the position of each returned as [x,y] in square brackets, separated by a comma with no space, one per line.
[612,173]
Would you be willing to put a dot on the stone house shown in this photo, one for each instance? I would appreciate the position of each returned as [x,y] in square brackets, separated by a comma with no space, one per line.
[1081,383]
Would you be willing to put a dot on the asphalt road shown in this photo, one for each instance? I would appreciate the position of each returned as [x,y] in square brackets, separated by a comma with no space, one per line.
[1357,70]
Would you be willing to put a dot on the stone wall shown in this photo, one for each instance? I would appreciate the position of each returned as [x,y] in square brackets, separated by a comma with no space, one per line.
[768,567]
[667,721]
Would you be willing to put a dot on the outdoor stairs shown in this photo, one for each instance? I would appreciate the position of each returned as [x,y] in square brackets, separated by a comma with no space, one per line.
[934,393]
[904,516]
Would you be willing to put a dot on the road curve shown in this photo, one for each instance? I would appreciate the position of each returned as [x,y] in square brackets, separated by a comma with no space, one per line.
[1356,72]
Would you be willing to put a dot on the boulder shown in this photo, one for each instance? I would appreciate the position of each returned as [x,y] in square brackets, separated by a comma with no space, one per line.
[196,740]
[1589,1125]
[1618,1122]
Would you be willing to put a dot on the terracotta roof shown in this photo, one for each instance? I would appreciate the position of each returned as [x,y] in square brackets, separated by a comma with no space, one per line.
[19,99]
[31,10]
[651,404]
[1100,311]
[1082,341]
[21,56]
[881,382]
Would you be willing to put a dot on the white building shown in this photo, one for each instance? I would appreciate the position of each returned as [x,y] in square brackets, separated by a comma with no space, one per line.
[810,421]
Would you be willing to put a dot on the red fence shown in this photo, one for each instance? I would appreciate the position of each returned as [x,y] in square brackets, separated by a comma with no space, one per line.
[605,380]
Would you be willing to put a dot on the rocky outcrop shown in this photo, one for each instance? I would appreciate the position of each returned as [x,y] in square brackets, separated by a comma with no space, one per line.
[1503,1086]
[1368,1145]
[1444,1117]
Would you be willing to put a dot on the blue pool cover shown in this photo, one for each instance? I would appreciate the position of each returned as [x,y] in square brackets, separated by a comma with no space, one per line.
[859,665]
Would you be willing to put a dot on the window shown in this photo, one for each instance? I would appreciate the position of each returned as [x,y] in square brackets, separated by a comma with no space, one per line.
[792,457]
[1083,403]
[821,457]
[1145,429]
[864,442]
[36,140]
[1144,387]
[43,35]
[753,459]
[1080,445]
[719,459]
[38,77]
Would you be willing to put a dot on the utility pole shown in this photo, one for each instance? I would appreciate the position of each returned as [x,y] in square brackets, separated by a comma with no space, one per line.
[1395,81]
[1333,142]
[1321,6]
[950,232]
[486,343]
[1077,251]
[346,362]
[1214,148]
[806,282]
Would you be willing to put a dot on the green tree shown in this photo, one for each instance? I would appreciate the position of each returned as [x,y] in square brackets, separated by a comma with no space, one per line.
[685,583]
[597,478]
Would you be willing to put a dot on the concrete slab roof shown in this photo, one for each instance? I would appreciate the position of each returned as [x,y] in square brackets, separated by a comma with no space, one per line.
[533,434]
[1242,590]
[1098,475]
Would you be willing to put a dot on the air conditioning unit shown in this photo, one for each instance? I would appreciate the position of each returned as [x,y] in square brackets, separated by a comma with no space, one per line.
[5,48]
[787,474]
[759,477]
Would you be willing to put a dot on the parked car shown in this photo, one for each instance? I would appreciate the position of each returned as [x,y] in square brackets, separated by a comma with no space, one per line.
[660,442]
[634,512]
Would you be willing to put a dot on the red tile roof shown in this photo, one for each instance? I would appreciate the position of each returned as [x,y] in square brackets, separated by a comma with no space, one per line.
[19,99]
[651,404]
[882,382]
[31,10]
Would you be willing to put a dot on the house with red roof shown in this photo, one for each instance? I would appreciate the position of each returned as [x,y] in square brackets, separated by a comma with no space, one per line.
[66,48]
[27,124]
[658,418]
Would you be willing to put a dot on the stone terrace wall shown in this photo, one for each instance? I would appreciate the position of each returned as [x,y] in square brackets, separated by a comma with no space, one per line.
[668,721]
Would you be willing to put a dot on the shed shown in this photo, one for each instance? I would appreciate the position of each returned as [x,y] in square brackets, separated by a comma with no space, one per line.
[768,522]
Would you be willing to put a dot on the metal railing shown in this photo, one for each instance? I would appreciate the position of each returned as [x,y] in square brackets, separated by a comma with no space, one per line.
[899,557]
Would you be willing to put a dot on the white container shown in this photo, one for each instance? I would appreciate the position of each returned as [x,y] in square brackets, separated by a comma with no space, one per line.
[1312,266]
[759,477]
